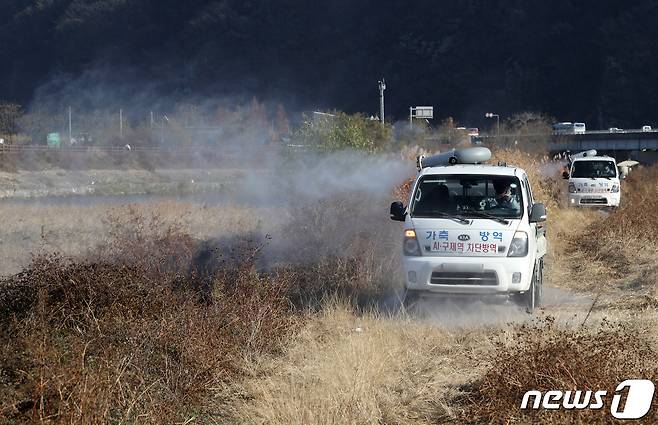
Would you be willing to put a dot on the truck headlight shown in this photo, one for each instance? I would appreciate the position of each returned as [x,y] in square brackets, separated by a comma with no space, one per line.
[615,188]
[410,245]
[519,245]
[572,188]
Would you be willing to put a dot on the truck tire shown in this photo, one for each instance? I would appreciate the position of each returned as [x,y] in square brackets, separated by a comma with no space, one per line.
[534,295]
[532,298]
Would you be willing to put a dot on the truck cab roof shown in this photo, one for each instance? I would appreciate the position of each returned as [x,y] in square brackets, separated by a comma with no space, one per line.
[594,158]
[479,169]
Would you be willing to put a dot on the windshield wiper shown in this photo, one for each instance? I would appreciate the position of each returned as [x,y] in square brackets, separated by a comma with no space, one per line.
[442,214]
[489,216]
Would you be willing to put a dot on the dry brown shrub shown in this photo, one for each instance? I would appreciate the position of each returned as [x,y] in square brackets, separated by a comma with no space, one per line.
[123,336]
[158,246]
[341,246]
[637,216]
[142,327]
[545,357]
[403,191]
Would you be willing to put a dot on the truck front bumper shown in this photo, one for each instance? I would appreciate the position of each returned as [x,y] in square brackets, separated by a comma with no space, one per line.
[594,199]
[468,275]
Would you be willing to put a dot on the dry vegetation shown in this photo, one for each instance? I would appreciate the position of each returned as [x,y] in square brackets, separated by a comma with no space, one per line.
[136,332]
[625,242]
[152,322]
[117,157]
[147,316]
[365,369]
[543,356]
[72,229]
[61,183]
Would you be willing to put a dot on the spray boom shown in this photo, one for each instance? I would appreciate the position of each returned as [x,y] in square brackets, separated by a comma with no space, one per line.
[585,154]
[461,156]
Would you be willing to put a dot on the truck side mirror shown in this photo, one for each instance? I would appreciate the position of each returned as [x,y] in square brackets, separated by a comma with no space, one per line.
[565,175]
[398,212]
[538,213]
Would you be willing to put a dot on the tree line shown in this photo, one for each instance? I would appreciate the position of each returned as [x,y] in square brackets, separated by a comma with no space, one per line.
[253,126]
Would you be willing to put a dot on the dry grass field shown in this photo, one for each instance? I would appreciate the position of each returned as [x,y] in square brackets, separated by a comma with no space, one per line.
[58,182]
[181,312]
[74,228]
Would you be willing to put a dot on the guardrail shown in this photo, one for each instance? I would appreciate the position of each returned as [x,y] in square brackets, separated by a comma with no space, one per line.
[620,131]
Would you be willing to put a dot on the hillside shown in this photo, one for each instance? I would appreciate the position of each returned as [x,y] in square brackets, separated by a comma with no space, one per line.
[591,61]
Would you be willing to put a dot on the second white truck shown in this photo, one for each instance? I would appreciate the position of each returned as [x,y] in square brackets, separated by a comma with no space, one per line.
[593,180]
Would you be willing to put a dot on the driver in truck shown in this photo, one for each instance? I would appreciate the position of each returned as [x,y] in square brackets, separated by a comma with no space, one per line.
[504,198]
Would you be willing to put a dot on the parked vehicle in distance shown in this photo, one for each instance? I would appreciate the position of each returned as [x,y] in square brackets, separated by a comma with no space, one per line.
[579,127]
[593,180]
[615,130]
[471,131]
[569,128]
[646,128]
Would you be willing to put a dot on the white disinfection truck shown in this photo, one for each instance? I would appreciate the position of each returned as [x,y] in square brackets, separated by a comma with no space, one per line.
[472,229]
[593,180]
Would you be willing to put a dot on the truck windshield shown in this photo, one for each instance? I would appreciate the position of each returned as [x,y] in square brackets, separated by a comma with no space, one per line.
[594,169]
[436,195]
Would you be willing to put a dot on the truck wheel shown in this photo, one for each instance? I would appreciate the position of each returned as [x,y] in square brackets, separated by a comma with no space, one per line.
[533,296]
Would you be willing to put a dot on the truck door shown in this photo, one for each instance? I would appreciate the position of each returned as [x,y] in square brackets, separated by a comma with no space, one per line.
[536,229]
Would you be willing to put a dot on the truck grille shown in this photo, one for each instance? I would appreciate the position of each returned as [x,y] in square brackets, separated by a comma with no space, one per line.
[487,278]
[594,201]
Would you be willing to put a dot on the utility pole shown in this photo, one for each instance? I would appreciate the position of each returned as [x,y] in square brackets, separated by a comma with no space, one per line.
[162,125]
[382,87]
[70,127]
[121,123]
